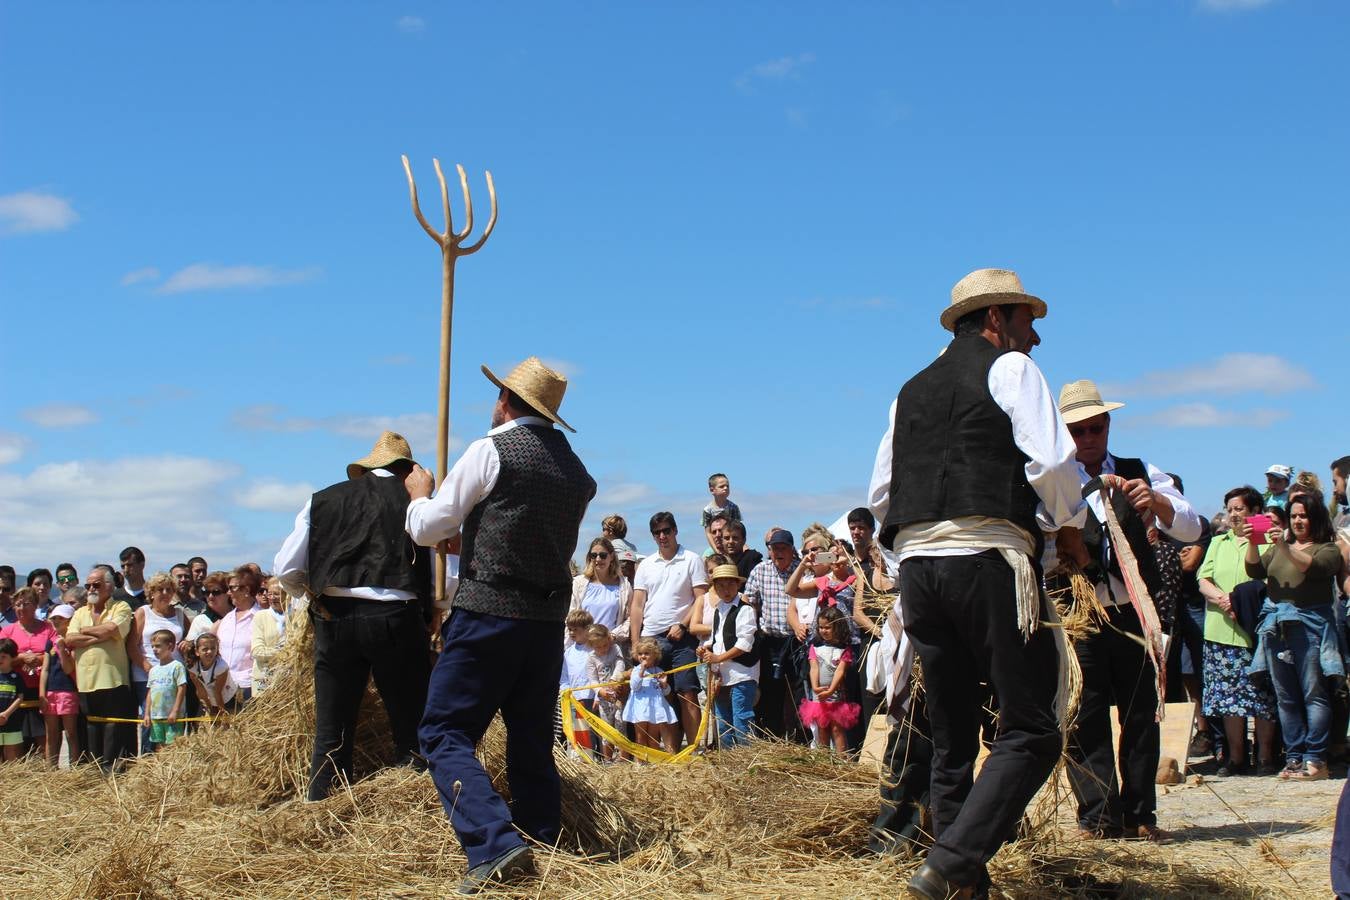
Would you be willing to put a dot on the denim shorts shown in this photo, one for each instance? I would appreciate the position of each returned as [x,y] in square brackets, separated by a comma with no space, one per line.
[680,653]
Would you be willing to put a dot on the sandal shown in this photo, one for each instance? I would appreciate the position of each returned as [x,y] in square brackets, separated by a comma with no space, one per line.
[1316,771]
[1292,769]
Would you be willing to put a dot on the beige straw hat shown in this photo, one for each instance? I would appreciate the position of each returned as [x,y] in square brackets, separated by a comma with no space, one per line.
[988,287]
[390,448]
[1079,400]
[726,570]
[537,385]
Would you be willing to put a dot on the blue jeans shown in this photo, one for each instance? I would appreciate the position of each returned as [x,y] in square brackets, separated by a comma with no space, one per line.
[491,663]
[1300,689]
[735,713]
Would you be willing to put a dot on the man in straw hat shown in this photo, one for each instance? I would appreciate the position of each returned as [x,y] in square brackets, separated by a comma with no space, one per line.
[1115,665]
[979,465]
[517,496]
[372,599]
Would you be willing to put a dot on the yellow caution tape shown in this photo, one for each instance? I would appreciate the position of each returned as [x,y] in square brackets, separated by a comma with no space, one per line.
[573,708]
[117,720]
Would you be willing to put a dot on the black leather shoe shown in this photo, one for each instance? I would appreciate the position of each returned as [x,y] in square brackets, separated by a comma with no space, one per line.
[929,884]
[514,865]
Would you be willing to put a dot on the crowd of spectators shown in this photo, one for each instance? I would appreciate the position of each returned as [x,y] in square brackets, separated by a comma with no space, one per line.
[782,636]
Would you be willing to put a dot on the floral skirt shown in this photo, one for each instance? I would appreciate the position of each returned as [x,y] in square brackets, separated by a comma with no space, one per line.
[1227,689]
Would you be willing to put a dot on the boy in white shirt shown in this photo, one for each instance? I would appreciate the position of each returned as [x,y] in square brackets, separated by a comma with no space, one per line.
[576,659]
[732,653]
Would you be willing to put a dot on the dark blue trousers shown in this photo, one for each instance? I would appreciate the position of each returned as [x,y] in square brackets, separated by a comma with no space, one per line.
[492,664]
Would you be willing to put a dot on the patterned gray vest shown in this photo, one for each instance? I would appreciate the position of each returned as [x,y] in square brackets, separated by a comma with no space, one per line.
[519,538]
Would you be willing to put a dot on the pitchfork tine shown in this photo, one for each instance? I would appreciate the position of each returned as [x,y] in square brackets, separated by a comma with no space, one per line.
[445,201]
[492,219]
[468,205]
[417,208]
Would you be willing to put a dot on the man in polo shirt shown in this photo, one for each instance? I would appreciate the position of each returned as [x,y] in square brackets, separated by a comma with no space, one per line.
[667,584]
[766,592]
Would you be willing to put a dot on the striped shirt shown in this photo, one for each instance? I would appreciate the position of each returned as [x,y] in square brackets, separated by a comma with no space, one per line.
[766,591]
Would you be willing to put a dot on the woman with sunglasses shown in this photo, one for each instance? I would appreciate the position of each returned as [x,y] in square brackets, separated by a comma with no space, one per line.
[601,589]
[215,586]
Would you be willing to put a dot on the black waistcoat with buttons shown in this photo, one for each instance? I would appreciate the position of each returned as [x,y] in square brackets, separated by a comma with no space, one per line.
[357,539]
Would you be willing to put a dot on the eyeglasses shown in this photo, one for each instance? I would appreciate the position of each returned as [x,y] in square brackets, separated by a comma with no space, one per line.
[67,579]
[1081,430]
[597,556]
[215,592]
[658,532]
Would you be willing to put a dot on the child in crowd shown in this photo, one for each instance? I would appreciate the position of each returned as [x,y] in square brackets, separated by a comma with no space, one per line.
[211,679]
[11,695]
[614,526]
[605,663]
[730,651]
[166,689]
[56,690]
[720,488]
[576,655]
[647,706]
[830,708]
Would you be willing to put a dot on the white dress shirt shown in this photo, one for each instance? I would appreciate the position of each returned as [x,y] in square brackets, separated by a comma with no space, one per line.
[1185,525]
[731,671]
[1020,390]
[431,520]
[291,565]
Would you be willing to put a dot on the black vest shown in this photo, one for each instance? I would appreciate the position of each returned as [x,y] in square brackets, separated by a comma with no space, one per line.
[728,627]
[1098,541]
[357,539]
[519,538]
[953,451]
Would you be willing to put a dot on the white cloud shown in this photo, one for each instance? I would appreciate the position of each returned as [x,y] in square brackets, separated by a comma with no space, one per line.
[411,24]
[136,276]
[274,496]
[780,69]
[418,428]
[60,415]
[212,277]
[170,506]
[1206,415]
[1223,6]
[30,212]
[12,447]
[1232,373]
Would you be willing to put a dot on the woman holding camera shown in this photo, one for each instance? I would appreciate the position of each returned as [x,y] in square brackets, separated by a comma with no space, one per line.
[1299,628]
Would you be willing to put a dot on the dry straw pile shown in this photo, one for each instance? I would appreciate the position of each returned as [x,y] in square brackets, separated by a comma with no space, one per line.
[216,815]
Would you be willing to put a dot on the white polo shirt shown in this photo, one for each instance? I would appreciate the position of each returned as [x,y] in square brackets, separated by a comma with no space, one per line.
[669,584]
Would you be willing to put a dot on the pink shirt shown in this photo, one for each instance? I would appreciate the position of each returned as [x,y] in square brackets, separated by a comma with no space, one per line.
[30,642]
[235,633]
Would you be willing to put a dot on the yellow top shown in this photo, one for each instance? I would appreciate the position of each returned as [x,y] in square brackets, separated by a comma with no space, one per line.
[103,665]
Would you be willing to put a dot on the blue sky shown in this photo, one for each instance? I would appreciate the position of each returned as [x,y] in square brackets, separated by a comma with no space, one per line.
[734,228]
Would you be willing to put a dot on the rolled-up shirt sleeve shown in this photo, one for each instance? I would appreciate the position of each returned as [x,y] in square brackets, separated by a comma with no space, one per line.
[746,626]
[430,520]
[1020,390]
[291,564]
[1186,525]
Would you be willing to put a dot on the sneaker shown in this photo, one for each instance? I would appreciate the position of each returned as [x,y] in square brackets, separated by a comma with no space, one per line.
[514,865]
[1292,769]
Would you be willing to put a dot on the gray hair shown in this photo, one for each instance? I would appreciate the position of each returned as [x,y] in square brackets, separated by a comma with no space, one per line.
[107,571]
[76,597]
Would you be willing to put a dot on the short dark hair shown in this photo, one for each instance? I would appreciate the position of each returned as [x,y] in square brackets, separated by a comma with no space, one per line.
[1176,479]
[7,646]
[7,570]
[722,515]
[131,553]
[248,576]
[737,526]
[716,475]
[1251,497]
[973,321]
[196,559]
[864,515]
[662,518]
[65,567]
[1319,520]
[38,573]
[1341,466]
[520,405]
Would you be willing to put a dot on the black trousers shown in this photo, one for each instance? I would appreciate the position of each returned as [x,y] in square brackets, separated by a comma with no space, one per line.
[108,742]
[1116,671]
[362,638]
[906,776]
[780,684]
[961,614]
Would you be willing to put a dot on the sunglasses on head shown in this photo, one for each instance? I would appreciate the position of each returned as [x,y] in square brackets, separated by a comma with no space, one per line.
[1080,430]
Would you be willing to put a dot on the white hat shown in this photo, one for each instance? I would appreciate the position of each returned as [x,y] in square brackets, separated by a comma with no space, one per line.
[62,611]
[625,551]
[1285,472]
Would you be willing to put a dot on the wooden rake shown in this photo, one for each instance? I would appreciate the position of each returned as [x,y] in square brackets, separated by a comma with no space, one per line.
[452,247]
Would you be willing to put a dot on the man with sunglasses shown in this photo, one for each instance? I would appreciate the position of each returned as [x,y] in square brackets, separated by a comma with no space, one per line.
[974,467]
[1116,669]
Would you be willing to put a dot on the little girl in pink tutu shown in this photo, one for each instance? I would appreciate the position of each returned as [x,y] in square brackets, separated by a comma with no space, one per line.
[831,709]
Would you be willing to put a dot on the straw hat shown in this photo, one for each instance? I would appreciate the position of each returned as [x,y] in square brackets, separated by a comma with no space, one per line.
[537,385]
[1079,400]
[390,448]
[726,570]
[988,287]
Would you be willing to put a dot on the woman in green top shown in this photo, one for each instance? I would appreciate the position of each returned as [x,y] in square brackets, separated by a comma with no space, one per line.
[1300,575]
[1227,653]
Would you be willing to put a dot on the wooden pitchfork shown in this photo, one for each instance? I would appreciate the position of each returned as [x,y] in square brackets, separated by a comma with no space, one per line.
[452,248]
